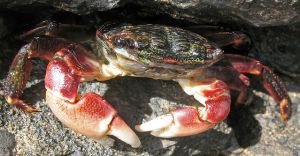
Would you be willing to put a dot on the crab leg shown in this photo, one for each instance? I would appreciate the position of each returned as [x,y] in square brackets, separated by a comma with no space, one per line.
[19,72]
[49,28]
[270,80]
[89,114]
[184,121]
[237,39]
[234,79]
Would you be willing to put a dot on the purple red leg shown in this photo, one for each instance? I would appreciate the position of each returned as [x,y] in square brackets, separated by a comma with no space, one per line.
[270,80]
[237,39]
[19,72]
[243,64]
[49,28]
[234,79]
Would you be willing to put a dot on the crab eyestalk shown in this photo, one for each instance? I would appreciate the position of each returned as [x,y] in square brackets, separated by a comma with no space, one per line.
[89,114]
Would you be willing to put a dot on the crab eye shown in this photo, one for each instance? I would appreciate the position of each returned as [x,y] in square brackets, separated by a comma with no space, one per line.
[124,42]
[120,42]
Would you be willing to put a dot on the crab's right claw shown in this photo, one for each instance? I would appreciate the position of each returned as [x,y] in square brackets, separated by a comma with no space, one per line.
[92,116]
[89,114]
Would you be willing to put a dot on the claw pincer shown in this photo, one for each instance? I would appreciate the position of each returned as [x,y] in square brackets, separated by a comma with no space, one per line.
[89,115]
[187,121]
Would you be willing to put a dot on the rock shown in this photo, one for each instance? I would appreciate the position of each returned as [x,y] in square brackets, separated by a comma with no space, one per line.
[278,47]
[75,6]
[277,138]
[7,143]
[3,27]
[258,13]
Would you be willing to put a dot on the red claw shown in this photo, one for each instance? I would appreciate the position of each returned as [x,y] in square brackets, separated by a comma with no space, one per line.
[61,80]
[189,121]
[89,115]
[92,116]
[179,122]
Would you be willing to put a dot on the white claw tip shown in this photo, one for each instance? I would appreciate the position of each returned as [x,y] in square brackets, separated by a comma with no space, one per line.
[138,128]
[137,144]
[156,124]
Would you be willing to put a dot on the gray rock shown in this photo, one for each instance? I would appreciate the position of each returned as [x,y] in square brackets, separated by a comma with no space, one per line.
[278,46]
[76,6]
[258,13]
[8,143]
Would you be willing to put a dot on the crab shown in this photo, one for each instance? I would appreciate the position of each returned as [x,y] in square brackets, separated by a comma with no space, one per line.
[198,64]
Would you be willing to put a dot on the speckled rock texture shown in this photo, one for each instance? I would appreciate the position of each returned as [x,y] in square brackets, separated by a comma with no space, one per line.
[255,129]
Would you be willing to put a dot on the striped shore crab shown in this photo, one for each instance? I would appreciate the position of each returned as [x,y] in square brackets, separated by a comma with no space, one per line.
[154,51]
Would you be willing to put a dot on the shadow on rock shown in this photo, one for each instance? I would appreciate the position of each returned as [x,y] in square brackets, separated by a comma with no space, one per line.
[212,142]
[246,128]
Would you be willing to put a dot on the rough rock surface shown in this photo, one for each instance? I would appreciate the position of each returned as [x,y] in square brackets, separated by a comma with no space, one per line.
[255,129]
[7,143]
[266,13]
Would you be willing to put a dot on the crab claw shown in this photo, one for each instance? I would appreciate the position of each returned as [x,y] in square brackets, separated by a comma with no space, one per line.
[179,122]
[187,121]
[93,117]
[89,114]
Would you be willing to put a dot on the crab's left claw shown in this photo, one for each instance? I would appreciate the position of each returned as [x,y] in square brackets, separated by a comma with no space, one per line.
[187,121]
[179,122]
[89,114]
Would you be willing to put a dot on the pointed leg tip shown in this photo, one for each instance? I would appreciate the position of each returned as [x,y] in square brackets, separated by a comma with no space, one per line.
[21,105]
[285,109]
[31,109]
